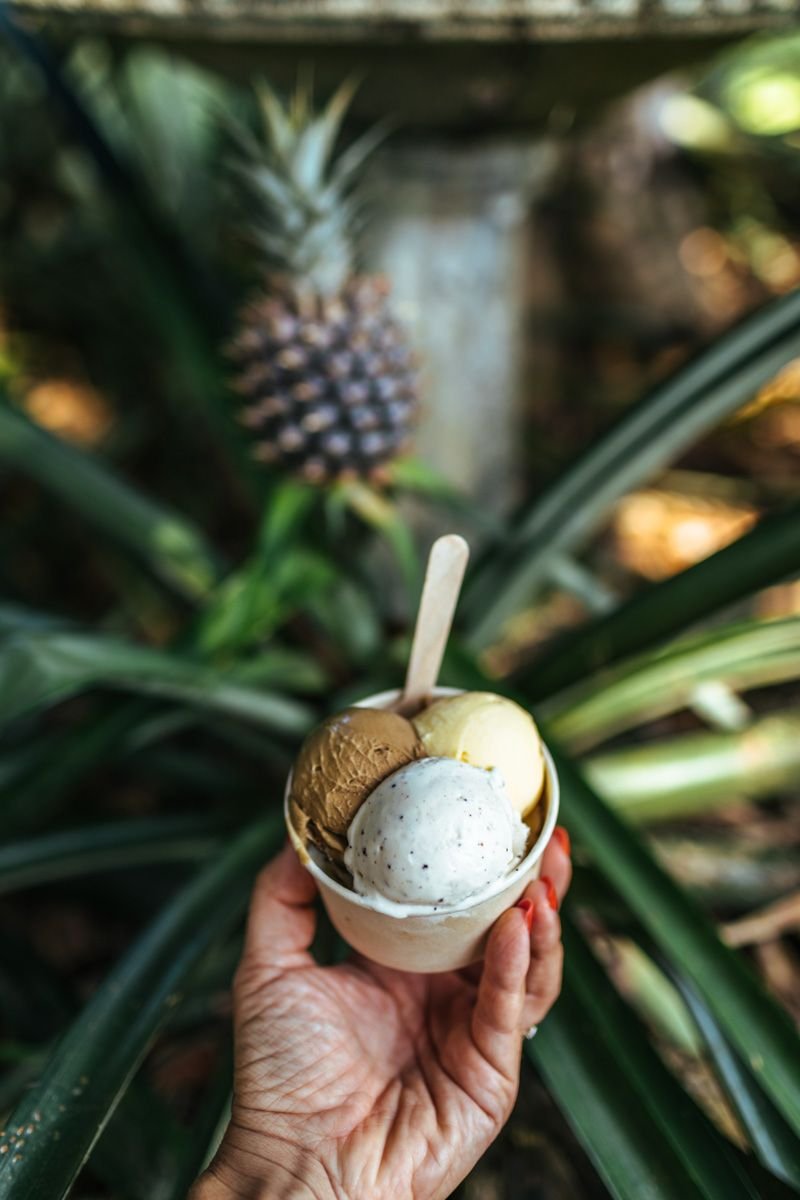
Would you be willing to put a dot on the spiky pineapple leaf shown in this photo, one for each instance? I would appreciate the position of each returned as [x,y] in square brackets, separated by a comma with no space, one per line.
[112,846]
[15,617]
[758,1028]
[353,158]
[81,1085]
[677,777]
[42,669]
[315,140]
[265,183]
[765,555]
[167,542]
[773,1141]
[278,132]
[645,1136]
[748,654]
[647,437]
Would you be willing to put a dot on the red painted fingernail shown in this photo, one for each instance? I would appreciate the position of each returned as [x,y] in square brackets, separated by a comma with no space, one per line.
[552,894]
[528,908]
[562,837]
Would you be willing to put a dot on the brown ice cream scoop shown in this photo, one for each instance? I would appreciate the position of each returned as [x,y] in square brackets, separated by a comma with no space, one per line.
[340,763]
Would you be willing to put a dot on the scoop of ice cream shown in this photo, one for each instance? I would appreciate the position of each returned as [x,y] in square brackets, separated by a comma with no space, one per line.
[339,764]
[435,832]
[487,731]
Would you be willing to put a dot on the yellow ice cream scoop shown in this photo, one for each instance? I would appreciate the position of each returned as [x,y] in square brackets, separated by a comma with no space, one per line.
[487,731]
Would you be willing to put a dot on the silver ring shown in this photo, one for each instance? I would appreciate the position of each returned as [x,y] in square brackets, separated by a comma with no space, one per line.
[532,1032]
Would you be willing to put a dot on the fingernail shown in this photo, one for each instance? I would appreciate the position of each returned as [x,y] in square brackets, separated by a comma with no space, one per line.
[527,907]
[552,894]
[562,837]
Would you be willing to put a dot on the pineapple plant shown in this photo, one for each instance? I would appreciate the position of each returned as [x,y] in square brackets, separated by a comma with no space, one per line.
[328,379]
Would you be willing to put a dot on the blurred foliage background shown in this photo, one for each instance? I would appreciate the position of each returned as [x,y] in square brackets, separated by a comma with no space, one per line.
[173,617]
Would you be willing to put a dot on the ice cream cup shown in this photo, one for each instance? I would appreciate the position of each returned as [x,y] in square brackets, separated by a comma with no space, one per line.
[428,940]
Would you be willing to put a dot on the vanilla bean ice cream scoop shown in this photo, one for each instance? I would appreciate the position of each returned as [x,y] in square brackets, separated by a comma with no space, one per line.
[435,832]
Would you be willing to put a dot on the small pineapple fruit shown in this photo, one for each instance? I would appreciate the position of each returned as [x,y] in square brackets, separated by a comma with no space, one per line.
[329,382]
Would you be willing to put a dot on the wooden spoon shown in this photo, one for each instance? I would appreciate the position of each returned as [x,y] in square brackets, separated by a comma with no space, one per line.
[443,575]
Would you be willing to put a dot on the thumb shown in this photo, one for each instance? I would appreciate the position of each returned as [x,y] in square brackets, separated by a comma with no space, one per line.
[281,922]
[497,1016]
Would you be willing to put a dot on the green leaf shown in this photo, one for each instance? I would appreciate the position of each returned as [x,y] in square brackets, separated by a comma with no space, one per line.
[313,145]
[207,1128]
[43,669]
[281,572]
[158,109]
[645,1136]
[649,436]
[726,872]
[278,133]
[182,299]
[82,1082]
[773,1141]
[758,1028]
[284,666]
[170,545]
[689,774]
[35,1000]
[349,161]
[413,476]
[15,617]
[254,600]
[136,1153]
[767,554]
[347,614]
[285,511]
[54,762]
[15,1080]
[748,655]
[107,847]
[383,515]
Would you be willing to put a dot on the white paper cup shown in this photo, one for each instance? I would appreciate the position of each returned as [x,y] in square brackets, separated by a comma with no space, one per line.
[428,940]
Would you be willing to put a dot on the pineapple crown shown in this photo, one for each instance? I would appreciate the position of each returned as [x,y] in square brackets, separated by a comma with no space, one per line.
[300,193]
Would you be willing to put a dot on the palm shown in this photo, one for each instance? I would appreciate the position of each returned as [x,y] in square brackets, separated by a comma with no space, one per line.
[378,1082]
[379,1062]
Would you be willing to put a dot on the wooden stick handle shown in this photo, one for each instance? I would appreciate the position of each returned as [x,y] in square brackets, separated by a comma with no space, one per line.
[445,570]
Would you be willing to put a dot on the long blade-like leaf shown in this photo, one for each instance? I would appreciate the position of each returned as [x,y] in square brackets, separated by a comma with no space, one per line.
[170,545]
[767,554]
[752,654]
[772,1139]
[756,1026]
[107,847]
[185,301]
[42,669]
[134,1156]
[82,1082]
[16,617]
[50,765]
[647,437]
[207,1128]
[689,774]
[645,1136]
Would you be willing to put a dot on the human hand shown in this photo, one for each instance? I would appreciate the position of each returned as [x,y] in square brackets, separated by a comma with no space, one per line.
[359,1082]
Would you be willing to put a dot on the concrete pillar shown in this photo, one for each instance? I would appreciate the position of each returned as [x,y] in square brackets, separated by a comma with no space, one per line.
[451,229]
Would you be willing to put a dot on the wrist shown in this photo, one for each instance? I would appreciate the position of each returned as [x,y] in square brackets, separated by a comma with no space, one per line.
[285,1173]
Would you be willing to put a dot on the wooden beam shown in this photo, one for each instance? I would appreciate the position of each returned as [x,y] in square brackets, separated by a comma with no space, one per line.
[393,21]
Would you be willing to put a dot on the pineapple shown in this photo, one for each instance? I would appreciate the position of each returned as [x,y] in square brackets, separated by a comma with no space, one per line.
[328,379]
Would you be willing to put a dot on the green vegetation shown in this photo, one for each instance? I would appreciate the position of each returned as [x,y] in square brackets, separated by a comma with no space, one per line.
[228,608]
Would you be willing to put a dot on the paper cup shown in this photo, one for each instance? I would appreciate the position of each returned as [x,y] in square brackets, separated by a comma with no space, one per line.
[428,940]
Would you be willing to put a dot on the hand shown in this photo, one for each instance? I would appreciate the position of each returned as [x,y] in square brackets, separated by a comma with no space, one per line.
[358,1082]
